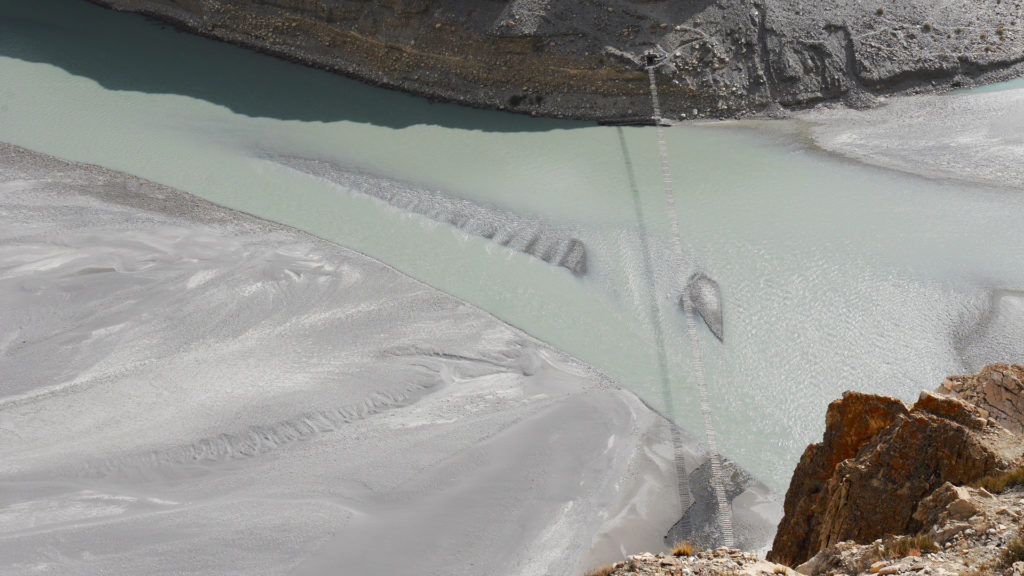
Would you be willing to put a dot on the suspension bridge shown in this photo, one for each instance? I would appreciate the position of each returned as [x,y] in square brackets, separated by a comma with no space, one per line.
[683,266]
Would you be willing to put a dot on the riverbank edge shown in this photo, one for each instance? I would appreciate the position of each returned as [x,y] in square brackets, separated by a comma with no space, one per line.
[619,97]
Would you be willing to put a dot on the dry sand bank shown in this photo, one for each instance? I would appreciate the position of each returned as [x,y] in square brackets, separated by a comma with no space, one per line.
[190,389]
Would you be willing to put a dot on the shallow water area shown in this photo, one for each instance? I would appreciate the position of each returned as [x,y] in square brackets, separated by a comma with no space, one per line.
[999,86]
[835,275]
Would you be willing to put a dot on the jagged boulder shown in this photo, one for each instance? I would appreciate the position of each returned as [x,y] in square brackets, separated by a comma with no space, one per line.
[996,389]
[948,503]
[878,461]
[849,424]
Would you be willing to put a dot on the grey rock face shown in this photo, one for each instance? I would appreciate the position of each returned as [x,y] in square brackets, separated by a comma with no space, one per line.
[706,297]
[723,58]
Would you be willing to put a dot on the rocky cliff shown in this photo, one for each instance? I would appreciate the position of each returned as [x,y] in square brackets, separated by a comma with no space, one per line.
[721,58]
[886,469]
[935,488]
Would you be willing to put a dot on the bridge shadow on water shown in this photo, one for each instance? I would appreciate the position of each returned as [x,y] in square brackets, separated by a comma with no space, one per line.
[124,51]
[684,526]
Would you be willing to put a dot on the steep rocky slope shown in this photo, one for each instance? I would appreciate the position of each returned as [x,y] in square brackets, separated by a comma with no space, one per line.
[936,488]
[882,464]
[973,533]
[718,562]
[582,58]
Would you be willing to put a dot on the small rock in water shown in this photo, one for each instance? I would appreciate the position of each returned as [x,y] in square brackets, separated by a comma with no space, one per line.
[706,297]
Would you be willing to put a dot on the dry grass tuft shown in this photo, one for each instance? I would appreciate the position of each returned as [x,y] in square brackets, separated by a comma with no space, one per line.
[684,548]
[903,546]
[984,569]
[602,571]
[1000,481]
[1014,552]
[779,570]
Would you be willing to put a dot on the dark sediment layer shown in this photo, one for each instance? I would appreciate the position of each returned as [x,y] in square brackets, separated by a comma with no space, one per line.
[582,59]
[529,235]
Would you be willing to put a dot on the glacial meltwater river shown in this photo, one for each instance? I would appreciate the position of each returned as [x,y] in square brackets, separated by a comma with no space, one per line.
[835,275]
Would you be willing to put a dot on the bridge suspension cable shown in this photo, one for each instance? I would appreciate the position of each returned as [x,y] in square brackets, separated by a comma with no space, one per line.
[724,509]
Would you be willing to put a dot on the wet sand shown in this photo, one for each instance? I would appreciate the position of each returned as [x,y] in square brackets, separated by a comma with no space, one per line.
[973,136]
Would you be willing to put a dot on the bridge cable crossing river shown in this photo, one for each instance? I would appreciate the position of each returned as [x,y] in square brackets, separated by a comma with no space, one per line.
[724,509]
